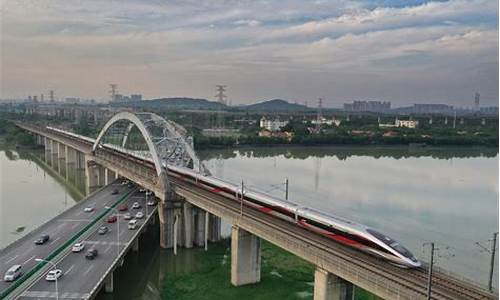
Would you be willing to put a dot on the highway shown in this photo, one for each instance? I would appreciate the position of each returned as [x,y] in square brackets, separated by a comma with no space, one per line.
[82,278]
[60,229]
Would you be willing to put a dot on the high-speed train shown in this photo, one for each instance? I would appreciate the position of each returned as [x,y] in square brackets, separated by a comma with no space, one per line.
[344,231]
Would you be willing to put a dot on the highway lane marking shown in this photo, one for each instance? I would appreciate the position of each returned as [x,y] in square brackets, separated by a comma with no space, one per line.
[88,270]
[11,259]
[47,294]
[69,270]
[55,240]
[75,220]
[102,243]
[29,259]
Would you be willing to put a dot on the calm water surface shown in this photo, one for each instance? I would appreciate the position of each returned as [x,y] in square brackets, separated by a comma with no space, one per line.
[446,195]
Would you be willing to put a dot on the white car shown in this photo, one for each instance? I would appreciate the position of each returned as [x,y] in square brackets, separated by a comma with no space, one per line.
[13,273]
[124,182]
[136,205]
[53,275]
[139,215]
[127,216]
[149,193]
[151,203]
[142,190]
[88,209]
[78,247]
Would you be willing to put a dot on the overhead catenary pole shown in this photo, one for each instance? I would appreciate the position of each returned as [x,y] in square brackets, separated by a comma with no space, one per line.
[429,275]
[492,261]
[286,189]
[241,200]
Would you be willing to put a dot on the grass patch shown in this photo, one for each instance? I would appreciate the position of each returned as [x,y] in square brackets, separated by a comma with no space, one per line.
[283,276]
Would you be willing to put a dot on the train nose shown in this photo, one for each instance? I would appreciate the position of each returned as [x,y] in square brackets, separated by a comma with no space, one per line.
[416,263]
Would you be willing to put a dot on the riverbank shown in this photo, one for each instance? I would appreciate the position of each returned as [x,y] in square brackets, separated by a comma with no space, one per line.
[206,143]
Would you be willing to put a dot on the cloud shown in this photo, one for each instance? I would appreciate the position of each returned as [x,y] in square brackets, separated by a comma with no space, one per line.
[404,51]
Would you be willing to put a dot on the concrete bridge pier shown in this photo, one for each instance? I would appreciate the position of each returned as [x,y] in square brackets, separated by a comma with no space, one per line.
[166,213]
[48,149]
[53,150]
[108,283]
[61,156]
[245,257]
[328,286]
[199,227]
[188,224]
[101,171]
[214,228]
[94,174]
[109,176]
[71,157]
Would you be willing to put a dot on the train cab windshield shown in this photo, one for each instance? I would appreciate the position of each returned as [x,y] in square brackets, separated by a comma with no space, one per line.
[391,243]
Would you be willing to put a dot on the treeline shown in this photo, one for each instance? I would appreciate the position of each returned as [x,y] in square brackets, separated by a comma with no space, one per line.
[11,134]
[341,138]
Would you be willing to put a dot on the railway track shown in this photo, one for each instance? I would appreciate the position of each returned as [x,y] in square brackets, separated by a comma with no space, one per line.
[414,280]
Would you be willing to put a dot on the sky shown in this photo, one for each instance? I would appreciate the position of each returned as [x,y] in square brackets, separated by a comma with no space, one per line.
[393,50]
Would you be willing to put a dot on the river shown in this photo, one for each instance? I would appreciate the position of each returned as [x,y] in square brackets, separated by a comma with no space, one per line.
[415,195]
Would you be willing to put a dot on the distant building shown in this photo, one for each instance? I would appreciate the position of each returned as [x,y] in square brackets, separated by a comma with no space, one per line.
[406,123]
[324,121]
[122,98]
[118,98]
[136,97]
[272,125]
[373,106]
[400,123]
[432,108]
[492,110]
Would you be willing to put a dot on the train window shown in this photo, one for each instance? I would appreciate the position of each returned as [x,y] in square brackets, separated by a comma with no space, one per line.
[391,243]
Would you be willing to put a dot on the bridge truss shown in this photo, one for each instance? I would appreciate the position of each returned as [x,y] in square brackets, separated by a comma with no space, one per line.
[146,134]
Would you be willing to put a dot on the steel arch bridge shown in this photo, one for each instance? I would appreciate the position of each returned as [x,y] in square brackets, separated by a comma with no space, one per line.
[167,142]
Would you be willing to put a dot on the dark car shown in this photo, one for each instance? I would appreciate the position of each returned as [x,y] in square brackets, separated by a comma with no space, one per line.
[111,219]
[91,254]
[102,230]
[42,239]
[115,192]
[123,207]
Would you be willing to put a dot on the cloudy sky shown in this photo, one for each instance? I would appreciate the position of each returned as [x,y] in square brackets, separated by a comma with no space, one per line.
[406,52]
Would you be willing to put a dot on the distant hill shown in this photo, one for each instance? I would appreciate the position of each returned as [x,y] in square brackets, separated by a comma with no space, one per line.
[175,104]
[274,105]
[184,103]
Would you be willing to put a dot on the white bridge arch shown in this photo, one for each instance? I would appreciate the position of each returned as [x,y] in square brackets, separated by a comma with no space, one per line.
[166,141]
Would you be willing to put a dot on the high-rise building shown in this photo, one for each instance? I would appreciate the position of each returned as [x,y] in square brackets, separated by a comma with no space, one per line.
[136,97]
[373,106]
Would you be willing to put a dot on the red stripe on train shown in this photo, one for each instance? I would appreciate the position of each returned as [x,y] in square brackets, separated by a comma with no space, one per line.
[331,235]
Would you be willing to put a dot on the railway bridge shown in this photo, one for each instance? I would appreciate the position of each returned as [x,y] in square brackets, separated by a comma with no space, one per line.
[144,148]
